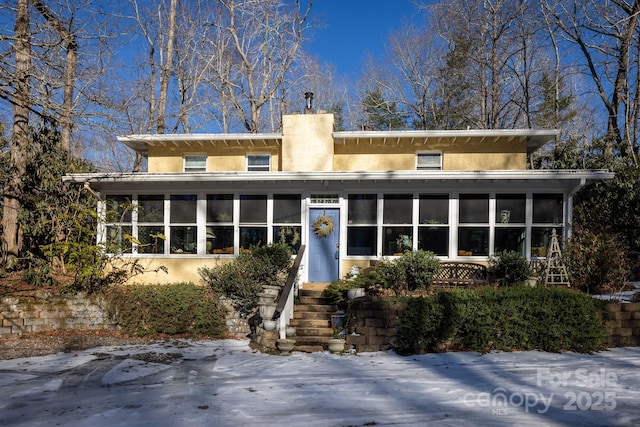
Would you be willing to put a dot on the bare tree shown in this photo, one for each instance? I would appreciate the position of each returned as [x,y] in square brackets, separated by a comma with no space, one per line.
[70,69]
[11,230]
[265,39]
[605,35]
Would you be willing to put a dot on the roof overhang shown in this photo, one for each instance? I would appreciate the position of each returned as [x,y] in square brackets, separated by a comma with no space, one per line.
[534,138]
[141,143]
[495,180]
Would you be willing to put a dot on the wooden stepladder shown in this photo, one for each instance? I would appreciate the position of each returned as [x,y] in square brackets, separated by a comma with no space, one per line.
[555,270]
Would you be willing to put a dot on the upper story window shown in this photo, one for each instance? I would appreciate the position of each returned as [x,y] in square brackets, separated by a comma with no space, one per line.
[195,163]
[259,162]
[429,161]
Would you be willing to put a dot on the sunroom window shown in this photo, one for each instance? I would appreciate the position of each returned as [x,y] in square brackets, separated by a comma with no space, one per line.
[151,232]
[287,220]
[253,220]
[510,233]
[473,232]
[433,229]
[184,230]
[361,228]
[118,223]
[548,213]
[220,224]
[397,230]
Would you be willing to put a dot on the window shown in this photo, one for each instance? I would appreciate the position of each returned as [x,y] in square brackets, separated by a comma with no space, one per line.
[151,232]
[253,221]
[429,161]
[195,163]
[433,229]
[220,224]
[547,208]
[397,230]
[473,233]
[184,230]
[287,220]
[361,228]
[118,224]
[547,212]
[510,217]
[259,162]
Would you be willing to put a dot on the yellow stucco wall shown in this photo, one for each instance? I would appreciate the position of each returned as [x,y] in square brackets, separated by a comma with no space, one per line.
[220,158]
[307,142]
[472,155]
[179,269]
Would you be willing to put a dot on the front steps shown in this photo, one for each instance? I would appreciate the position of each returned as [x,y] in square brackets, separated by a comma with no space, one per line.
[312,319]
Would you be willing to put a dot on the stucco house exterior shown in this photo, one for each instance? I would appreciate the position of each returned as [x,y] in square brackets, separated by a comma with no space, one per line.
[350,197]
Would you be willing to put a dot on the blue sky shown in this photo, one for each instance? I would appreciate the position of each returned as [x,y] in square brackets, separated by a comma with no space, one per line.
[352,28]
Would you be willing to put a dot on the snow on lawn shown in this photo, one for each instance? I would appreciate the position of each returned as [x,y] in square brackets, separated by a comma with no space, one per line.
[225,383]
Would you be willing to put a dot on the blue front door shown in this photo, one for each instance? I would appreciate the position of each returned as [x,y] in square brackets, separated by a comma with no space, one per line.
[324,259]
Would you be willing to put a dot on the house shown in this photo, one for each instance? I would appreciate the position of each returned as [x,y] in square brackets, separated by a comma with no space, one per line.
[350,197]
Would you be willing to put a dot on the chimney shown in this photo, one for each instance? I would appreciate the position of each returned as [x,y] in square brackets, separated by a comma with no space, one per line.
[308,98]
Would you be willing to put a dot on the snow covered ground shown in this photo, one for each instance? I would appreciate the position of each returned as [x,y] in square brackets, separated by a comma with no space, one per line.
[225,383]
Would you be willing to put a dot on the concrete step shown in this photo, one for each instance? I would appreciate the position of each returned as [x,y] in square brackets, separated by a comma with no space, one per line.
[306,331]
[315,286]
[309,293]
[313,300]
[309,348]
[312,315]
[312,340]
[308,308]
[310,323]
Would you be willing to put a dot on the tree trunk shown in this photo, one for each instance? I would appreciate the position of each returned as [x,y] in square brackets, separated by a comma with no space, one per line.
[166,72]
[13,192]
[71,64]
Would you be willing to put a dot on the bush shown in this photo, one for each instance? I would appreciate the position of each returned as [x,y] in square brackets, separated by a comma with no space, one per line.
[178,308]
[509,268]
[514,318]
[596,261]
[242,279]
[418,268]
[413,270]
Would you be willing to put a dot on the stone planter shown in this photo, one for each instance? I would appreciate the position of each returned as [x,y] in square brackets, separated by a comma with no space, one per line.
[355,293]
[267,310]
[290,331]
[270,289]
[269,325]
[336,345]
[285,346]
[266,298]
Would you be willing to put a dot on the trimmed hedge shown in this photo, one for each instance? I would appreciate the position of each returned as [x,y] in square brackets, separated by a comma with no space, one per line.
[177,308]
[513,318]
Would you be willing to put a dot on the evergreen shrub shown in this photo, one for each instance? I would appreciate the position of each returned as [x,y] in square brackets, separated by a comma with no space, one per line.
[509,268]
[511,318]
[241,280]
[177,308]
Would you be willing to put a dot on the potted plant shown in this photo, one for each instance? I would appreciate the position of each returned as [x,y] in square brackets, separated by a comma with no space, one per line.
[403,243]
[336,345]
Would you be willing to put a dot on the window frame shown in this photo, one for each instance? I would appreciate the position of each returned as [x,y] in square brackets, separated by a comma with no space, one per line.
[426,154]
[260,167]
[198,158]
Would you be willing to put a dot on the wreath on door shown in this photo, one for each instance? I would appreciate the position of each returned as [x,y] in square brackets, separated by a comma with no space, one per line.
[323,226]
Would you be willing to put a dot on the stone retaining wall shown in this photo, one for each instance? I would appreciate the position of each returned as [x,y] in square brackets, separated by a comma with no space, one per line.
[45,312]
[374,324]
[623,326]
